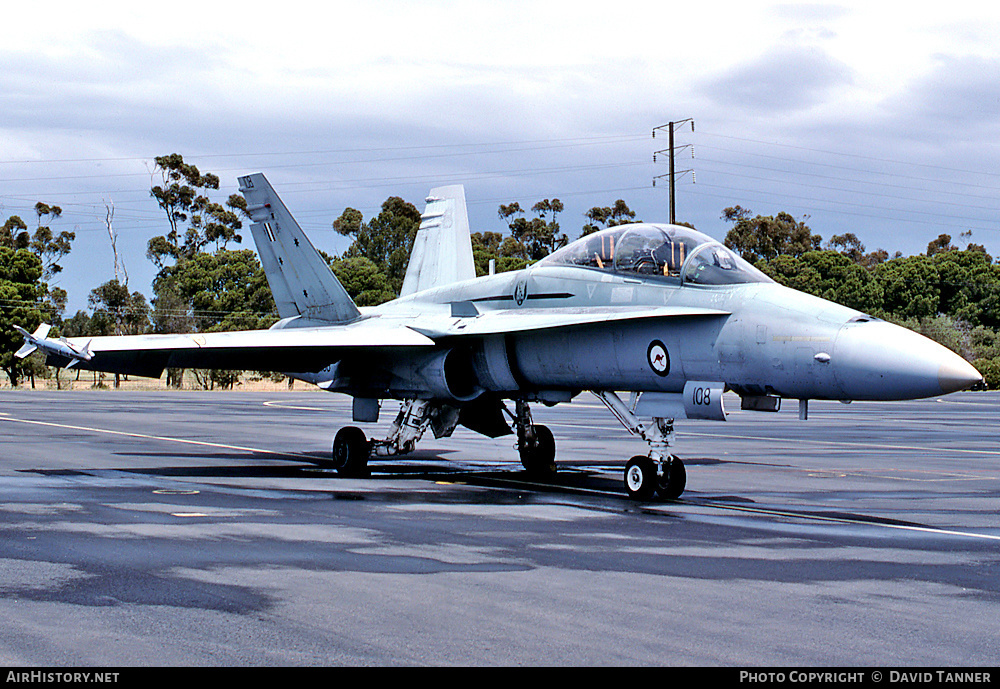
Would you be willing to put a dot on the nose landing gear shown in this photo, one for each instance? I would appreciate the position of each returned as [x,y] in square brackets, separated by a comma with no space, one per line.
[645,478]
[659,473]
[535,444]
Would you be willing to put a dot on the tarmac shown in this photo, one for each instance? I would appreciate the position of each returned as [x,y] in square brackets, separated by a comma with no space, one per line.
[197,529]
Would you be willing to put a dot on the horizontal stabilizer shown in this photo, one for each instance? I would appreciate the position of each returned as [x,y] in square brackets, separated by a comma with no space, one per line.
[300,279]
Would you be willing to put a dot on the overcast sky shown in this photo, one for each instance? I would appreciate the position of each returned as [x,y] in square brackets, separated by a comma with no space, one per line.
[865,117]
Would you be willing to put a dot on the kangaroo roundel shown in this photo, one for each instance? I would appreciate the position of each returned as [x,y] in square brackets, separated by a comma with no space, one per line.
[658,358]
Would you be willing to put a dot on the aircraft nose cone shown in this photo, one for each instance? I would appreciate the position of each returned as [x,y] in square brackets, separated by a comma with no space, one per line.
[875,360]
[957,374]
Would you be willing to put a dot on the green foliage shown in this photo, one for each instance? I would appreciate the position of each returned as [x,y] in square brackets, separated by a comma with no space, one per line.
[48,246]
[948,294]
[364,282]
[827,274]
[126,313]
[949,332]
[985,343]
[942,243]
[608,216]
[14,233]
[535,238]
[45,244]
[506,252]
[23,301]
[385,240]
[969,284]
[226,290]
[766,237]
[195,220]
[82,324]
[910,287]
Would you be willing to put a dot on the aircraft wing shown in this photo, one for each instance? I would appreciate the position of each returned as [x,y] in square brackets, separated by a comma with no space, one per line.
[515,320]
[293,349]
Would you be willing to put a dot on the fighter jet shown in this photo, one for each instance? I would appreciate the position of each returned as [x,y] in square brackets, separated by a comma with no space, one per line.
[661,312]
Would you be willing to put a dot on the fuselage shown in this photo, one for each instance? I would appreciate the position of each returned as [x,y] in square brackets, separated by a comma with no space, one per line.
[767,340]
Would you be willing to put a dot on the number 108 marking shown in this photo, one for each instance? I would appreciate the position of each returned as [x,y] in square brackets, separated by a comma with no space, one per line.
[701,396]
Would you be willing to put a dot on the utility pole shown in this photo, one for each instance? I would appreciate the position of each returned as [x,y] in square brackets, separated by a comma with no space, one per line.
[671,150]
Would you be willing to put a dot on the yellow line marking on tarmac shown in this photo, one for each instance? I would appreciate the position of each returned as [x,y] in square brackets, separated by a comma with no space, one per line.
[144,436]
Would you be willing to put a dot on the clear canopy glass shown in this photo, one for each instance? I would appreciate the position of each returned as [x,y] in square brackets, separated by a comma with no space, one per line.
[666,251]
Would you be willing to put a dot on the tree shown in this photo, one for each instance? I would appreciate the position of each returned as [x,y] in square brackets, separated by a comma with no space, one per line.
[226,290]
[14,233]
[942,243]
[363,281]
[128,313]
[827,274]
[49,247]
[969,284]
[506,253]
[534,238]
[608,216]
[910,285]
[23,296]
[764,237]
[386,240]
[195,220]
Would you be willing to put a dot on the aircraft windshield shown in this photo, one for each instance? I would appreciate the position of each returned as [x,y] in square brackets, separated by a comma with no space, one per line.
[714,264]
[658,250]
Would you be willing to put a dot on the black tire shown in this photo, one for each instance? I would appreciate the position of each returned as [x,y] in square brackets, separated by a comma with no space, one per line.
[539,457]
[350,452]
[640,477]
[671,485]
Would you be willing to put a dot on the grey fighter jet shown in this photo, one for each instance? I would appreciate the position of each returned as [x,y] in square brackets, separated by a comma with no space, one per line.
[661,312]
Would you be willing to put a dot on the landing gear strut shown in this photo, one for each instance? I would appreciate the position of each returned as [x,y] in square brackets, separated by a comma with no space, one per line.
[351,450]
[659,472]
[535,444]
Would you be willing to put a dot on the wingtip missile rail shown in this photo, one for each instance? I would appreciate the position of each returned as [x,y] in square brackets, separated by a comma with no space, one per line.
[61,348]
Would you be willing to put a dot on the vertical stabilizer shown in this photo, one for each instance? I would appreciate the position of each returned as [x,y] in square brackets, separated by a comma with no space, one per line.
[442,250]
[301,281]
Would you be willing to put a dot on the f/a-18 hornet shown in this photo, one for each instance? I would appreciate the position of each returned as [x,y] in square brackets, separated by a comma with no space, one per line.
[662,312]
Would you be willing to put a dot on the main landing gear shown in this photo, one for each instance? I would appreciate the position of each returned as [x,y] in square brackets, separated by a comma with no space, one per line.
[658,473]
[351,450]
[535,444]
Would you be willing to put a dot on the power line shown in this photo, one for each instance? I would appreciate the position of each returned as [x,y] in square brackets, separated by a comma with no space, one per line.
[853,155]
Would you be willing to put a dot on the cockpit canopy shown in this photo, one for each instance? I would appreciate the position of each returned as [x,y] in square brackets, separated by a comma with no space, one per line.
[665,251]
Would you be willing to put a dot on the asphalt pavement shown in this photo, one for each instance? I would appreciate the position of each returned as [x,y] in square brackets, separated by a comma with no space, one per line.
[199,528]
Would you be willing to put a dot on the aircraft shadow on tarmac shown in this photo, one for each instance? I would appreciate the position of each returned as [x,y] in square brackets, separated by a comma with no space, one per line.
[424,464]
[433,465]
